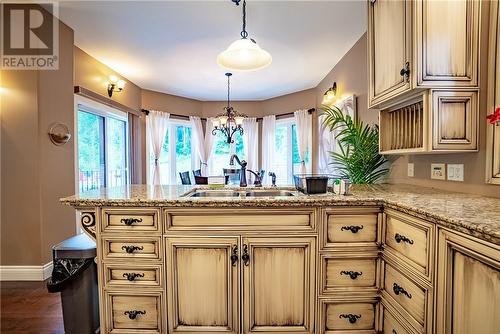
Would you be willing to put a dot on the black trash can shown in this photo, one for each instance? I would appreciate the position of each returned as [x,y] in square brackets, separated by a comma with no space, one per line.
[75,276]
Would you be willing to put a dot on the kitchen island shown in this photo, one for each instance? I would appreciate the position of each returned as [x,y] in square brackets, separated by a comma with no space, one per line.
[175,259]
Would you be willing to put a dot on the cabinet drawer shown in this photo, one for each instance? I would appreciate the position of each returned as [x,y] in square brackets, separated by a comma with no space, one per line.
[390,325]
[347,316]
[127,312]
[132,248]
[410,296]
[342,227]
[132,275]
[347,273]
[294,219]
[410,239]
[130,220]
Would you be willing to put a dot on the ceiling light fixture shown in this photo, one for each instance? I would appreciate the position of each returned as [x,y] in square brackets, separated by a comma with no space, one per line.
[115,85]
[330,94]
[244,54]
[230,121]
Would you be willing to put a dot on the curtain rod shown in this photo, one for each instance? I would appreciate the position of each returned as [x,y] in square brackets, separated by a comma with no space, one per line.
[280,116]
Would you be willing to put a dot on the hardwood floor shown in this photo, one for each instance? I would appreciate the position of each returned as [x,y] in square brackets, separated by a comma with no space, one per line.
[27,308]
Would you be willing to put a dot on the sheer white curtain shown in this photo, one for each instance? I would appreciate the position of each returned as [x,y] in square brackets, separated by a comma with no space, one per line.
[326,138]
[251,143]
[202,142]
[303,121]
[157,125]
[268,144]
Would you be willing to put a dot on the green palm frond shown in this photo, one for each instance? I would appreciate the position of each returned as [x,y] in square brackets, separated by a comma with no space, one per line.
[358,158]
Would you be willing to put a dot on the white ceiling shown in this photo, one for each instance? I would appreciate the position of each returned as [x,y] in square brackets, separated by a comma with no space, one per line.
[171,46]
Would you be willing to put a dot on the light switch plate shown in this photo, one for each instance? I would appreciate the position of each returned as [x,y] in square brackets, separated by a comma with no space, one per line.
[411,169]
[438,171]
[455,172]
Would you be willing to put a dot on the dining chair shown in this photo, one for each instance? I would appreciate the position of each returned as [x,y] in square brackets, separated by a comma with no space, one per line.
[185,179]
[197,172]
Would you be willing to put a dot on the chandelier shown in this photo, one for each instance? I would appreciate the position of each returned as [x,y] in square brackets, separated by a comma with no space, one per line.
[244,54]
[230,121]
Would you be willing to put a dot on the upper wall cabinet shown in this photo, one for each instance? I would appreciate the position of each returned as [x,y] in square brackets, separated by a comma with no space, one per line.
[389,53]
[493,131]
[418,44]
[446,42]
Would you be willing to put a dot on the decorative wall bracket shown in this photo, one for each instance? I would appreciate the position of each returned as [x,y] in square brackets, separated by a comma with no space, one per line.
[87,221]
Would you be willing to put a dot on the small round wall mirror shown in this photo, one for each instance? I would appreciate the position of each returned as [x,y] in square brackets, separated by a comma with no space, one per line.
[59,134]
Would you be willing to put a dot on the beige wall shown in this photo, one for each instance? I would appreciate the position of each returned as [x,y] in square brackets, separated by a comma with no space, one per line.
[94,75]
[35,172]
[474,163]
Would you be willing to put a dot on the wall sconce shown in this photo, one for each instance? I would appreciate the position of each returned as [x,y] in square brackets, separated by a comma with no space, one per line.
[115,85]
[330,94]
[59,134]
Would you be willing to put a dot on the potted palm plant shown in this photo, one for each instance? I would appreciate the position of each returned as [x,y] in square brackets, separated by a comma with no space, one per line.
[358,158]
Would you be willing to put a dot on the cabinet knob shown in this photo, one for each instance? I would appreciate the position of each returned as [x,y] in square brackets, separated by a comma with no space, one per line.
[234,255]
[130,221]
[351,317]
[352,228]
[351,274]
[399,290]
[405,71]
[399,237]
[132,276]
[132,315]
[131,248]
[245,257]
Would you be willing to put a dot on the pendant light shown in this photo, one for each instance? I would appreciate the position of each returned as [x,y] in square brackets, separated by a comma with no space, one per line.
[230,121]
[244,54]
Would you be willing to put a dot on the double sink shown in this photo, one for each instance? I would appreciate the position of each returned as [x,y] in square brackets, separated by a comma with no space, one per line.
[241,193]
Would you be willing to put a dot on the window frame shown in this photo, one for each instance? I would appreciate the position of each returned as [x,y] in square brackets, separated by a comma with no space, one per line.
[172,176]
[93,107]
[289,122]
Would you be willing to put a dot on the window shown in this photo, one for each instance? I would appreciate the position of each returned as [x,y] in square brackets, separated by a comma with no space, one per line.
[222,151]
[287,160]
[102,145]
[177,153]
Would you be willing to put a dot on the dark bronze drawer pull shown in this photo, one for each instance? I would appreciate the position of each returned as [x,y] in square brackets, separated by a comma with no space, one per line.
[130,221]
[351,274]
[132,315]
[394,331]
[352,228]
[352,317]
[234,255]
[405,71]
[399,237]
[245,257]
[399,290]
[131,249]
[132,276]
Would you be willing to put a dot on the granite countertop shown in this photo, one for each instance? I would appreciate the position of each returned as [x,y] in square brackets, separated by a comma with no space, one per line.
[472,214]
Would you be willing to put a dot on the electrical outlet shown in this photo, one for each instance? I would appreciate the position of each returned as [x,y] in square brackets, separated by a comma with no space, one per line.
[455,172]
[438,171]
[411,169]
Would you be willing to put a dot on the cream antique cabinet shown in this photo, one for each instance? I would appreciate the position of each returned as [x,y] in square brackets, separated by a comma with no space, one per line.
[493,131]
[468,285]
[358,268]
[423,61]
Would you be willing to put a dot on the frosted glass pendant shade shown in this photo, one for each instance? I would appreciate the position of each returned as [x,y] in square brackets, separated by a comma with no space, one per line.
[244,55]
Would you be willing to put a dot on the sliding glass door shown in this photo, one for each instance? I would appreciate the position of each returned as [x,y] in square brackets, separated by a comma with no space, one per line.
[102,144]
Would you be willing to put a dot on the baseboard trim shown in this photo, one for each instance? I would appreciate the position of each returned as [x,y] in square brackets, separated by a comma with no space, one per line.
[25,273]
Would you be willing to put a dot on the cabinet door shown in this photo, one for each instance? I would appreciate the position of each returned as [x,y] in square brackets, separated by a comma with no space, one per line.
[493,131]
[389,49]
[468,286]
[278,285]
[447,38]
[202,285]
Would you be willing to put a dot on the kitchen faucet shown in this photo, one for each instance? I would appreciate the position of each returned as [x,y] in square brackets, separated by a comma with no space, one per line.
[243,172]
[258,180]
